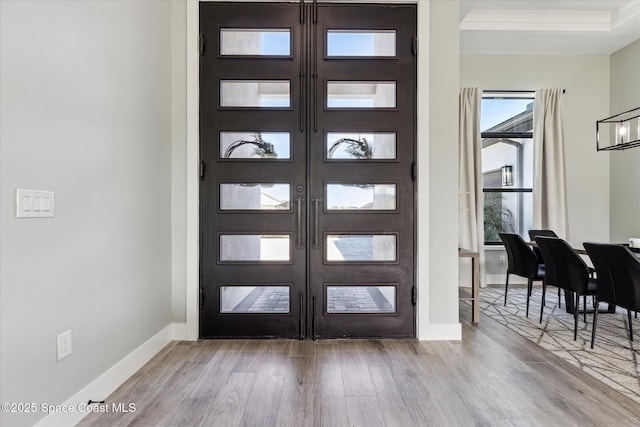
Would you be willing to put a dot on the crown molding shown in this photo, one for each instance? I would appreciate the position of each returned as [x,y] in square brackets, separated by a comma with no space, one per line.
[627,14]
[536,20]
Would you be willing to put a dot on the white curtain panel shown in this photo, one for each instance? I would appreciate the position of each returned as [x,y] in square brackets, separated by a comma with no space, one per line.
[549,179]
[471,214]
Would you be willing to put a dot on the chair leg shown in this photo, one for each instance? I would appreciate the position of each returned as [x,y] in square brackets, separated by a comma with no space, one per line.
[630,324]
[506,288]
[595,321]
[576,309]
[559,299]
[529,286]
[584,303]
[544,291]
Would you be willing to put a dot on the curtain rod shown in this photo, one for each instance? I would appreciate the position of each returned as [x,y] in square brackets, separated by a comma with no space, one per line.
[514,91]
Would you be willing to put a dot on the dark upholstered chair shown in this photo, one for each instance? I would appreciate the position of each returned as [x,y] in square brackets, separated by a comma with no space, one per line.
[521,262]
[549,277]
[535,233]
[571,272]
[618,272]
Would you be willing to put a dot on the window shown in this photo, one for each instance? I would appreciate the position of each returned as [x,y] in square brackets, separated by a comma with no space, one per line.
[506,125]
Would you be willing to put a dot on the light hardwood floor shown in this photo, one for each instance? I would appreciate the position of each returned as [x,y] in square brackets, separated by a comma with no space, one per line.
[492,377]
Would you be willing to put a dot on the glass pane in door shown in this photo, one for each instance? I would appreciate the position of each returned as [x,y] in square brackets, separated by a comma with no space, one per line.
[255,42]
[361,197]
[344,94]
[255,145]
[361,299]
[254,299]
[255,248]
[361,248]
[255,93]
[361,145]
[366,43]
[255,196]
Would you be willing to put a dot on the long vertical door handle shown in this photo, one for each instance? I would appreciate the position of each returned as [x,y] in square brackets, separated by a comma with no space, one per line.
[301,317]
[315,233]
[302,59]
[299,201]
[316,221]
[315,66]
[302,100]
[315,103]
[314,320]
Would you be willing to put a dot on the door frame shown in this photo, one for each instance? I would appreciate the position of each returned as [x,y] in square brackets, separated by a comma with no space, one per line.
[428,189]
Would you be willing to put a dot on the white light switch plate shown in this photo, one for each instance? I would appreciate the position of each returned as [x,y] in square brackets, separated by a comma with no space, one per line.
[34,204]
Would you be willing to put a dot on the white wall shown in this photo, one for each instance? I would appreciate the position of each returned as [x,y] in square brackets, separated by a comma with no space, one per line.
[178,160]
[438,171]
[625,165]
[85,111]
[586,80]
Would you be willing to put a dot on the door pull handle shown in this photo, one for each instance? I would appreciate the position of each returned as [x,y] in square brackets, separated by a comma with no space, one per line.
[316,221]
[302,98]
[299,201]
[314,320]
[301,317]
[315,103]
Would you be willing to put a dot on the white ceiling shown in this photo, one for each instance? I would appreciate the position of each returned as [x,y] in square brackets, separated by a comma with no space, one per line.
[548,26]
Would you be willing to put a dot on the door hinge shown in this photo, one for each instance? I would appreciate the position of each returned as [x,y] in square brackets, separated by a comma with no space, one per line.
[414,45]
[414,171]
[203,169]
[201,43]
[201,295]
[414,296]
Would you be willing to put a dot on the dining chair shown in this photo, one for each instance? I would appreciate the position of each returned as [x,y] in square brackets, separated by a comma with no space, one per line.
[549,276]
[571,273]
[535,233]
[618,270]
[522,262]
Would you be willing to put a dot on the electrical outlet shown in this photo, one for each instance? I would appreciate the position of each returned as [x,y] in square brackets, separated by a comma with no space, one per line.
[502,259]
[64,344]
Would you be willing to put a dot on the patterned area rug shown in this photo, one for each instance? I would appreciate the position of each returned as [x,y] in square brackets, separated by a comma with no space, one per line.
[614,360]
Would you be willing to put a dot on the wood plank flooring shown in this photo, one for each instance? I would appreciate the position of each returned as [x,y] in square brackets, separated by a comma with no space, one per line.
[493,377]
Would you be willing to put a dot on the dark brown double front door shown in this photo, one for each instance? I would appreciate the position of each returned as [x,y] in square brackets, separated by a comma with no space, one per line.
[307,142]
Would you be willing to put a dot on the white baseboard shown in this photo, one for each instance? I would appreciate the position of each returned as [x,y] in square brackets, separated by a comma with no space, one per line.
[178,331]
[115,376]
[441,332]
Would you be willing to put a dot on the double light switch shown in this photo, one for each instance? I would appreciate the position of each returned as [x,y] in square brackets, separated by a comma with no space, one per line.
[34,204]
